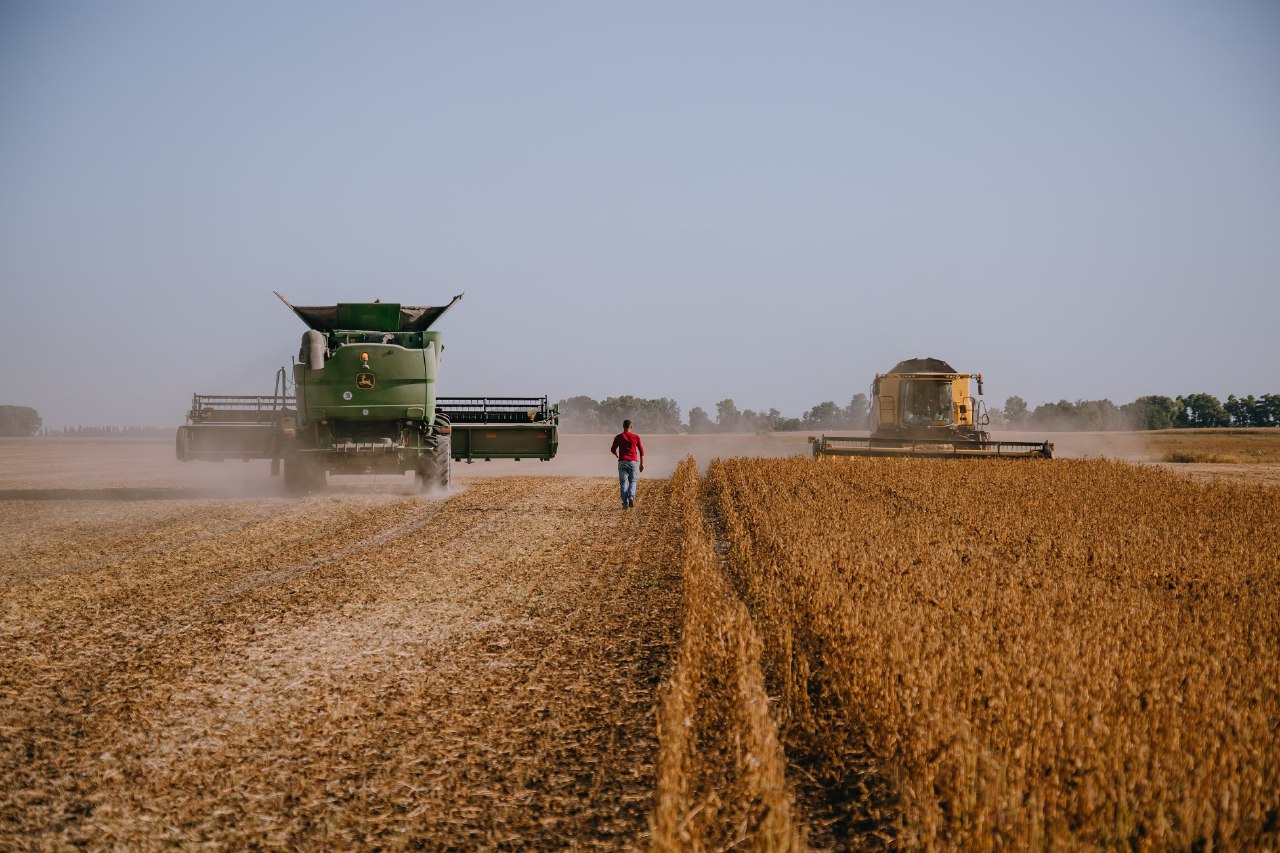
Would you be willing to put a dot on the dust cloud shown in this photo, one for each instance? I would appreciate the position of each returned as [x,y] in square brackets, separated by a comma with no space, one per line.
[124,469]
[1128,446]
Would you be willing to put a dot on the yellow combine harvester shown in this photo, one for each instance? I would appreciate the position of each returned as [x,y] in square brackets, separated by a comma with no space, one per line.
[923,407]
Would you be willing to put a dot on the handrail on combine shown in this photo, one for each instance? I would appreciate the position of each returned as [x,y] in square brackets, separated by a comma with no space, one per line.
[224,408]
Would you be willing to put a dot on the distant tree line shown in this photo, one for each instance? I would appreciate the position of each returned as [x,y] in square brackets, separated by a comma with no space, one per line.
[662,415]
[584,414]
[106,432]
[24,422]
[825,415]
[1152,412]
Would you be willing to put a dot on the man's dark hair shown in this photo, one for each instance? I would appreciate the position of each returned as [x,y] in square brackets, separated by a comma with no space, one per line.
[626,424]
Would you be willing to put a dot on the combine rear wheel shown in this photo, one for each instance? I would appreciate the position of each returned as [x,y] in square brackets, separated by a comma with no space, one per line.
[435,467]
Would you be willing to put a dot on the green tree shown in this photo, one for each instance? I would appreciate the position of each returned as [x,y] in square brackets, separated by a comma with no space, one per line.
[19,421]
[1096,415]
[614,410]
[699,421]
[663,415]
[778,423]
[1151,412]
[1015,411]
[1267,411]
[580,414]
[727,415]
[648,415]
[858,414]
[752,421]
[824,416]
[1202,410]
[1243,413]
[1054,416]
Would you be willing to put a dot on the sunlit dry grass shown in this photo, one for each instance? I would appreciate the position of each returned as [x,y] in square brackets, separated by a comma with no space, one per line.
[1068,653]
[1220,446]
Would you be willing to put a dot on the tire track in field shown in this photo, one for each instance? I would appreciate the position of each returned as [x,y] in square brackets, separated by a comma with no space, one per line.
[479,676]
[266,578]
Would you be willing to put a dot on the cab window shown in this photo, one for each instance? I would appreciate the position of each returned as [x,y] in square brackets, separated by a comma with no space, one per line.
[926,403]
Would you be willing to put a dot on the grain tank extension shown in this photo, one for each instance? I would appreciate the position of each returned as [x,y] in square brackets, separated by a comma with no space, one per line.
[361,399]
[923,407]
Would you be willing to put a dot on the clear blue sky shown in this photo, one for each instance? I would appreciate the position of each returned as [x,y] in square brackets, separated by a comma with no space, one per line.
[696,200]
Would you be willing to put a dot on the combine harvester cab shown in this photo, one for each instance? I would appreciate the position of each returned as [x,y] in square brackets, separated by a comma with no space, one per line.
[364,402]
[923,407]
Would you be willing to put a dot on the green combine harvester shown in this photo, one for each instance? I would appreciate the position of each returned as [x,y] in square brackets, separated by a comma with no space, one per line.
[362,400]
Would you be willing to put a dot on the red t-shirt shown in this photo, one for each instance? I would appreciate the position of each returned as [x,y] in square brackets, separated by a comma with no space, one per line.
[627,444]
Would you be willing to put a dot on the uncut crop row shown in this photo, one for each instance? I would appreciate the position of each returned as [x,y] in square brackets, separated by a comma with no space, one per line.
[978,654]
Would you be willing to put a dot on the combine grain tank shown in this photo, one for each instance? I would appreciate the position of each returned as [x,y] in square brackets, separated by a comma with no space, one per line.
[362,400]
[923,407]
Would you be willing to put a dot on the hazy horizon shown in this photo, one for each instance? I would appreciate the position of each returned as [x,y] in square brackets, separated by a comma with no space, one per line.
[763,202]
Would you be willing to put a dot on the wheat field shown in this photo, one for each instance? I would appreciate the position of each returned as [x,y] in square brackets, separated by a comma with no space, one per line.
[984,655]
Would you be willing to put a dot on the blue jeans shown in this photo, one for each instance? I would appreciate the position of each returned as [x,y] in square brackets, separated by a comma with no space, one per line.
[628,472]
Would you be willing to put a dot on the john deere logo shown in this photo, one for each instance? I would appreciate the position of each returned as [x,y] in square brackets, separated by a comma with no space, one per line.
[365,381]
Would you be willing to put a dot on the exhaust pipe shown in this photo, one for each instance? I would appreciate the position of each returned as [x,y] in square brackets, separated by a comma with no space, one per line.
[313,349]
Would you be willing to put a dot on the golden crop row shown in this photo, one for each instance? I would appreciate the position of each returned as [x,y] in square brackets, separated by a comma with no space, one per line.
[721,770]
[1041,654]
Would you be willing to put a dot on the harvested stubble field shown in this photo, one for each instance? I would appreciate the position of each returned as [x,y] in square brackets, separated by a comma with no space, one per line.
[773,654]
[346,671]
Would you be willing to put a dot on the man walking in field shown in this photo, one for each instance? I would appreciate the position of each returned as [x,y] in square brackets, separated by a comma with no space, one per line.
[630,453]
